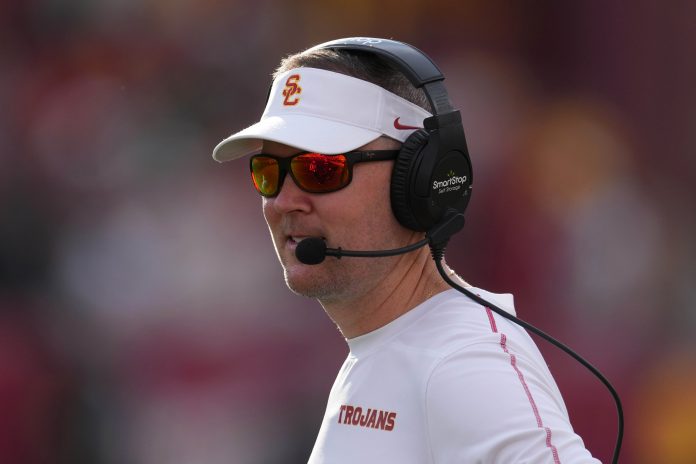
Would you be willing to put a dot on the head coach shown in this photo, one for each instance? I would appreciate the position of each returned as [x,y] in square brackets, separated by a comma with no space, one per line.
[359,149]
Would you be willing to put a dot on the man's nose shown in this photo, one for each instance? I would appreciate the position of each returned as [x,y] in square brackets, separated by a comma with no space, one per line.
[291,198]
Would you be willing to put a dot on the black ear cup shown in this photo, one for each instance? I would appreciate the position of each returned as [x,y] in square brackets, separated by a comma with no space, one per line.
[402,180]
[428,180]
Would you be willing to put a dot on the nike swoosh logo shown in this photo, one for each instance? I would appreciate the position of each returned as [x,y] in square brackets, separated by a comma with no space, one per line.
[398,125]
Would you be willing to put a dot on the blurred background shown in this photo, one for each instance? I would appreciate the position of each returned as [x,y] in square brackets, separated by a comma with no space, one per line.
[143,316]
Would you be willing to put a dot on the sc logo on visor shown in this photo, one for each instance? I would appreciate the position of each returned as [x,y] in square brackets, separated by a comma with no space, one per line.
[292,90]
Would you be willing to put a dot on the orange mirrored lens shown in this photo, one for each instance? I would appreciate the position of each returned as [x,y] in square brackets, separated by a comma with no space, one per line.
[315,172]
[265,174]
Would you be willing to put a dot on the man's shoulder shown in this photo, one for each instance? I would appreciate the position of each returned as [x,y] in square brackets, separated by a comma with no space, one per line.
[451,321]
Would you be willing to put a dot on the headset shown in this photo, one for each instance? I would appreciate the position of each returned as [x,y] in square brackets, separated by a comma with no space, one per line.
[431,182]
[432,173]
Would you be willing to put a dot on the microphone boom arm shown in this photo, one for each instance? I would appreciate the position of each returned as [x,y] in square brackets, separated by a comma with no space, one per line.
[338,252]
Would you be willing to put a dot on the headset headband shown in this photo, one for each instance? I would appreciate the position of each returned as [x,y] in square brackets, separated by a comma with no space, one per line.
[413,63]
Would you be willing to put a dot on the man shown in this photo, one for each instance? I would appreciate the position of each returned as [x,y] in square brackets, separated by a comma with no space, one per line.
[432,376]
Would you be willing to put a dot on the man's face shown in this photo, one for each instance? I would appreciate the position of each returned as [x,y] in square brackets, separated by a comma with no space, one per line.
[357,217]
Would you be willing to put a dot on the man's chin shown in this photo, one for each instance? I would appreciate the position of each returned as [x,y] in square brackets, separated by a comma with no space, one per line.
[309,281]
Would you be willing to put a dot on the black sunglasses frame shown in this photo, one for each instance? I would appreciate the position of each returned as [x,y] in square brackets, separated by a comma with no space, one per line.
[352,157]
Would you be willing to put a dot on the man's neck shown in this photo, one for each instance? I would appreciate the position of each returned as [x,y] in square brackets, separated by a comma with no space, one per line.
[397,294]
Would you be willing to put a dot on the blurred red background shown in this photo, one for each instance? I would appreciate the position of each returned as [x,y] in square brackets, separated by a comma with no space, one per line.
[143,316]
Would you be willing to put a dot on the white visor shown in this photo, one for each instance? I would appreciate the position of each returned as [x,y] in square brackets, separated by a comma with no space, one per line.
[326,112]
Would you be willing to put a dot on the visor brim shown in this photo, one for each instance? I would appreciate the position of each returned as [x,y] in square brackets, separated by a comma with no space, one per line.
[306,133]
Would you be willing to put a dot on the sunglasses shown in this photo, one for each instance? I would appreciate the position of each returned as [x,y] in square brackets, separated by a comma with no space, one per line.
[312,172]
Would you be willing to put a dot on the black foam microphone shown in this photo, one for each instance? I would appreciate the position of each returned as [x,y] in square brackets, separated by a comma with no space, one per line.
[313,250]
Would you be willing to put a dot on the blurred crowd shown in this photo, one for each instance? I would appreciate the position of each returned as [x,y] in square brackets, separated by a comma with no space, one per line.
[143,315]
